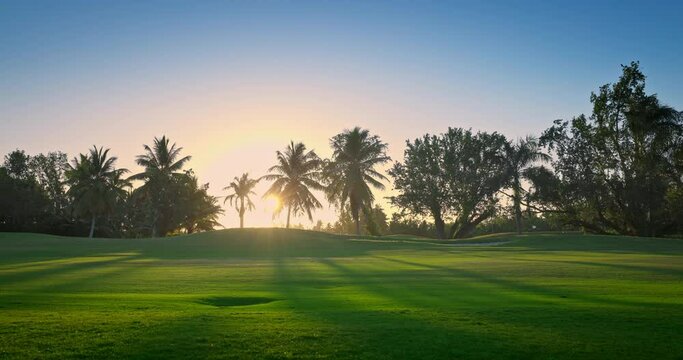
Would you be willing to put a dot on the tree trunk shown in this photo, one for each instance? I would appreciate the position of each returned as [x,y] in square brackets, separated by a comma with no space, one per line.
[516,198]
[458,224]
[289,212]
[92,227]
[241,213]
[518,218]
[155,217]
[439,224]
[464,227]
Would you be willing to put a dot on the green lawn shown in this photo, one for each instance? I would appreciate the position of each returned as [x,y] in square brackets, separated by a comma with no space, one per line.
[290,294]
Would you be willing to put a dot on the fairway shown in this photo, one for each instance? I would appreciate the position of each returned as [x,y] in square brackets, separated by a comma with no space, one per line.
[274,293]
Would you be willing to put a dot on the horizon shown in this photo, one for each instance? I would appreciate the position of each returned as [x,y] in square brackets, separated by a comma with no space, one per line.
[234,82]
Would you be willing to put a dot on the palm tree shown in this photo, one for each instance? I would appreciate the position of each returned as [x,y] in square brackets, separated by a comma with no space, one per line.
[241,187]
[162,165]
[351,171]
[296,172]
[95,184]
[520,156]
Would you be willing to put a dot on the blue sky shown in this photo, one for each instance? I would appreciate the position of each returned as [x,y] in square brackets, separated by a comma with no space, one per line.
[233,81]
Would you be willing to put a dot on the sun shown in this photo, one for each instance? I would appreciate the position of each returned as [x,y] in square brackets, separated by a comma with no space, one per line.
[272,202]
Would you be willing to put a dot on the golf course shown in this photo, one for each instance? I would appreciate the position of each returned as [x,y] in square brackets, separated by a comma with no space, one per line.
[279,293]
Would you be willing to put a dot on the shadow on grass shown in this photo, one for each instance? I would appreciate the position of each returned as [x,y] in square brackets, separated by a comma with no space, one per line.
[8,277]
[637,268]
[561,295]
[397,329]
[232,301]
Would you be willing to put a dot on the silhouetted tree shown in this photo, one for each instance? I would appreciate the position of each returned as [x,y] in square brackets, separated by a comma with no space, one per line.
[297,172]
[17,165]
[422,182]
[476,170]
[163,165]
[94,184]
[352,170]
[48,171]
[242,188]
[520,156]
[616,170]
[198,211]
[24,204]
[458,173]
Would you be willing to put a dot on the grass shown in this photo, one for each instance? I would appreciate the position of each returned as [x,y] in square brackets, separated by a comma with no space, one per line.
[266,293]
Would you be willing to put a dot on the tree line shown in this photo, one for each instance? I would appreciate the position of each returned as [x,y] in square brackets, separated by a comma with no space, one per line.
[618,170]
[47,193]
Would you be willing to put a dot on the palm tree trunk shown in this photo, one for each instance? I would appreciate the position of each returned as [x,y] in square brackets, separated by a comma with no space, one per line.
[516,198]
[289,213]
[355,213]
[242,213]
[92,227]
[154,222]
[518,218]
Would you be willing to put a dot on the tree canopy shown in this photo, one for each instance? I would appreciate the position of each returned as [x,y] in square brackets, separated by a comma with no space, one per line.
[352,171]
[617,170]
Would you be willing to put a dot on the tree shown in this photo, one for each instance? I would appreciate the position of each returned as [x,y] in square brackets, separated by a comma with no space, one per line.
[616,169]
[520,156]
[352,170]
[422,182]
[241,188]
[376,221]
[297,172]
[163,165]
[95,184]
[457,174]
[476,170]
[198,210]
[17,165]
[48,170]
[24,204]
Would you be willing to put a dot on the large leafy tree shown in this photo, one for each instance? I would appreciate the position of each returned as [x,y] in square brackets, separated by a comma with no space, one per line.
[94,184]
[352,171]
[296,173]
[476,170]
[162,170]
[615,171]
[48,170]
[457,174]
[18,165]
[242,188]
[24,203]
[520,156]
[199,211]
[422,182]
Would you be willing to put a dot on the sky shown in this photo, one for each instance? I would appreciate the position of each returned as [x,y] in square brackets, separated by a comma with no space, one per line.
[234,81]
